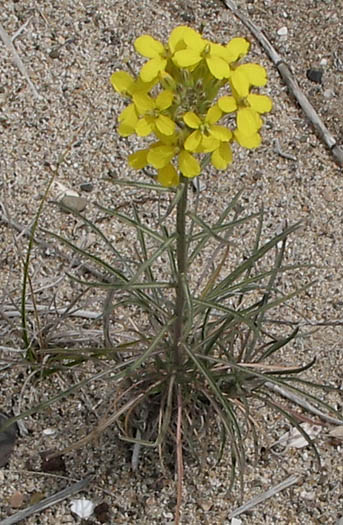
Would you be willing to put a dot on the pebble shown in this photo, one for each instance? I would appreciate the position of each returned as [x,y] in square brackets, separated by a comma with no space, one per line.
[315,75]
[74,203]
[54,53]
[283,31]
[329,93]
[87,187]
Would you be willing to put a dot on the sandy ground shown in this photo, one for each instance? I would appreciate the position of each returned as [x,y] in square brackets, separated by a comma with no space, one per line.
[69,49]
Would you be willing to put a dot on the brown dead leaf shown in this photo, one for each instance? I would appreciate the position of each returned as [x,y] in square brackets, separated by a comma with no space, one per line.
[16,500]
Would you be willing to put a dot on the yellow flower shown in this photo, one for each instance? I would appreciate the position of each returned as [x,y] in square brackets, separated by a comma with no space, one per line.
[128,120]
[222,156]
[168,176]
[237,48]
[175,98]
[189,49]
[248,116]
[149,47]
[152,113]
[159,156]
[245,76]
[125,84]
[207,135]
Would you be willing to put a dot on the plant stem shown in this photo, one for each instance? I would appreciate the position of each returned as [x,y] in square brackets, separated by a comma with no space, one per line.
[181,254]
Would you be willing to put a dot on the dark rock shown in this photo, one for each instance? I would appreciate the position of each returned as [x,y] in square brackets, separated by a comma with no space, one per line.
[54,53]
[86,186]
[315,75]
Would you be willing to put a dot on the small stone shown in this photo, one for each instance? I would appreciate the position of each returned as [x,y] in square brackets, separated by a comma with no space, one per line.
[324,62]
[74,203]
[205,504]
[283,31]
[315,75]
[329,93]
[49,431]
[54,53]
[87,187]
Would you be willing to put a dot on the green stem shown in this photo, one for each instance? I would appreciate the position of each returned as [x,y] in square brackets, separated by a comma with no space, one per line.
[181,255]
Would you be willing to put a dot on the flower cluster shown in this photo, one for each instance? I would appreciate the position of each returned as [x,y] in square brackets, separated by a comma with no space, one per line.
[176,99]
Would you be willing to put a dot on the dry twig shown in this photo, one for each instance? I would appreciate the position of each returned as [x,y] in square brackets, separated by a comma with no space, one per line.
[268,494]
[17,60]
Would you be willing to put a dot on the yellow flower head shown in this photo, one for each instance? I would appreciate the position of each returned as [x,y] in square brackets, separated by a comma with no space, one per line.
[177,98]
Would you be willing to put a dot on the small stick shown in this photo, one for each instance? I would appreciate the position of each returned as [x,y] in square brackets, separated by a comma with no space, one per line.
[44,310]
[266,495]
[17,60]
[302,402]
[48,502]
[292,84]
[277,149]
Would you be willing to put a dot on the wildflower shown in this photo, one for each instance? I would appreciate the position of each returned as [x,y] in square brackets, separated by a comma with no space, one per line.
[128,120]
[160,155]
[249,121]
[152,113]
[245,76]
[175,99]
[197,49]
[207,134]
[125,84]
[149,47]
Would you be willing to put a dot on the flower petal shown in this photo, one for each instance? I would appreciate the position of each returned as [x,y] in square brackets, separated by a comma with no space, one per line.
[213,114]
[221,133]
[193,141]
[144,127]
[192,120]
[218,67]
[186,58]
[151,69]
[193,39]
[208,144]
[159,156]
[121,81]
[176,39]
[165,99]
[165,125]
[227,104]
[240,82]
[138,160]
[168,176]
[149,47]
[248,121]
[127,121]
[143,103]
[237,48]
[253,141]
[222,156]
[256,74]
[260,103]
[189,166]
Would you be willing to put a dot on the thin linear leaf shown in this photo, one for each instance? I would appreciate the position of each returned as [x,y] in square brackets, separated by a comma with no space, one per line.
[131,222]
[120,286]
[141,185]
[253,258]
